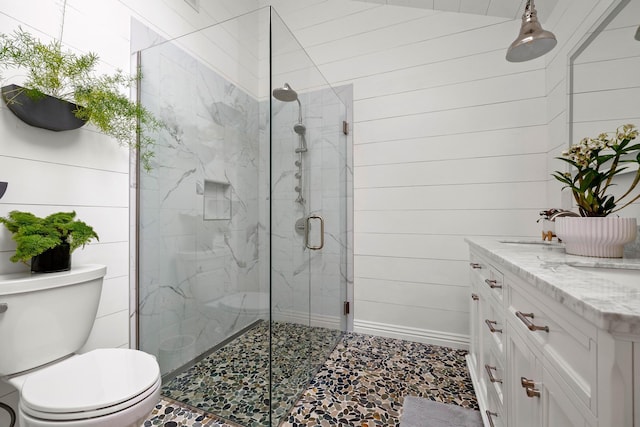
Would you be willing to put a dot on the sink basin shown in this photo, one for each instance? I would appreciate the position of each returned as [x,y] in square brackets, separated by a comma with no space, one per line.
[623,276]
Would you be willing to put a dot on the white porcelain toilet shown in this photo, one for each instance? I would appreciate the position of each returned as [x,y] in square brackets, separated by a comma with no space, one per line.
[44,320]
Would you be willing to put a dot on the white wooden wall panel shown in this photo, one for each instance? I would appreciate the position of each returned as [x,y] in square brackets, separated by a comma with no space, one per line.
[505,195]
[589,77]
[448,172]
[515,222]
[342,27]
[442,297]
[527,112]
[418,270]
[423,51]
[395,37]
[501,142]
[412,245]
[468,94]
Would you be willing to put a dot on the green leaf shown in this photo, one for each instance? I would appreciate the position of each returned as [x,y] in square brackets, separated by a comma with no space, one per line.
[34,235]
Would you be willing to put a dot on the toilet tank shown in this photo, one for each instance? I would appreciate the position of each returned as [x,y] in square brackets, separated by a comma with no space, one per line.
[46,316]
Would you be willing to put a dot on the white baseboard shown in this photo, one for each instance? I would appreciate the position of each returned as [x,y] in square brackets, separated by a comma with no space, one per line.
[412,334]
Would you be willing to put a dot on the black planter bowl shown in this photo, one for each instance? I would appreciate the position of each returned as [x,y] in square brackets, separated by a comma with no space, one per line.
[52,260]
[46,112]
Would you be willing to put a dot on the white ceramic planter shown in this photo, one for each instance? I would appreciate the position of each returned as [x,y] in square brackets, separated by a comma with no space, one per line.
[602,237]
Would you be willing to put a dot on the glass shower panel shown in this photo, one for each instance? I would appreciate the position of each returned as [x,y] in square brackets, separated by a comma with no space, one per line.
[242,220]
[203,301]
[308,230]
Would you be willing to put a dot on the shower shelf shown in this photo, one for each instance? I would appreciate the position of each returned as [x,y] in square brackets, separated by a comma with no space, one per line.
[217,200]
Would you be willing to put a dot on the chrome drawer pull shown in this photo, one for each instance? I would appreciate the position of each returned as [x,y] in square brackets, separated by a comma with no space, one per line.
[490,324]
[524,318]
[475,265]
[493,284]
[489,415]
[490,374]
[475,297]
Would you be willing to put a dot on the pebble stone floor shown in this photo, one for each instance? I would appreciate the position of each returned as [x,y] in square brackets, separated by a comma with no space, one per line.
[362,383]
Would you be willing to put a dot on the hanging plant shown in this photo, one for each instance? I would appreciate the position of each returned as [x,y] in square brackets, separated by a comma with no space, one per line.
[101,100]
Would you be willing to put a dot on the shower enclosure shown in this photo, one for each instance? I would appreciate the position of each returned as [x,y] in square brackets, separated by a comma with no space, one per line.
[242,222]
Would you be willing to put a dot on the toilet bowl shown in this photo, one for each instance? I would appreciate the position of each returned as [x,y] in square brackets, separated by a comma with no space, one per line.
[44,320]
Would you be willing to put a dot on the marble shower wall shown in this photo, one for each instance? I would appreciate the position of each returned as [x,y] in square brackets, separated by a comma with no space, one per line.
[199,210]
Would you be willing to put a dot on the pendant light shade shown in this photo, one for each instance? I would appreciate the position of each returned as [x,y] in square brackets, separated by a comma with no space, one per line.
[532,41]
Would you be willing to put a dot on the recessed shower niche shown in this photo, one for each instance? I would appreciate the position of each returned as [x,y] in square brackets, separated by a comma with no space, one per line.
[222,269]
[216,200]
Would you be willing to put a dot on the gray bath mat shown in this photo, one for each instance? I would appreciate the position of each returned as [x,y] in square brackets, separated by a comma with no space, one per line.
[418,412]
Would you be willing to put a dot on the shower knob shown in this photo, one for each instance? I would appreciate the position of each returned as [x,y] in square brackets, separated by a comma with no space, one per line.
[297,163]
[298,189]
[298,175]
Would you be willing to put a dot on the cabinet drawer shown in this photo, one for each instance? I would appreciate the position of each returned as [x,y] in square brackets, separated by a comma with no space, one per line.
[494,375]
[567,347]
[493,329]
[487,276]
[493,416]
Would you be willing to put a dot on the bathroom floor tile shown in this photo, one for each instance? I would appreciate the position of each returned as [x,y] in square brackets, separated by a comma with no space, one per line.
[233,382]
[172,414]
[363,382]
[366,378]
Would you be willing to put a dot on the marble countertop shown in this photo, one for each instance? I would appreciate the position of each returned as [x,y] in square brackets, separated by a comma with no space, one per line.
[601,298]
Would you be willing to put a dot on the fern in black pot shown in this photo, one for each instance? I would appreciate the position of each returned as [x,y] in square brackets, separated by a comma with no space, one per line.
[47,242]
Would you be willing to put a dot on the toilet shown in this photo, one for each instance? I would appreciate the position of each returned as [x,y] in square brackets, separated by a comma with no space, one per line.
[44,320]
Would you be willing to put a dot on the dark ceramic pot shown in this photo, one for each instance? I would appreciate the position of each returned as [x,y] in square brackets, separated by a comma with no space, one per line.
[52,260]
[46,112]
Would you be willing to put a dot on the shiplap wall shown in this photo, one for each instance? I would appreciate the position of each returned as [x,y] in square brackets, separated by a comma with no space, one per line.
[83,170]
[450,141]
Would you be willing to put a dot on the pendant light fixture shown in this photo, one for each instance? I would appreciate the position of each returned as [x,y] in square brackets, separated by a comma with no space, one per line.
[532,41]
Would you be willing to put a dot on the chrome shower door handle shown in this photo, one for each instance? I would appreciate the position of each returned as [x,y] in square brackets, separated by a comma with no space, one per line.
[319,218]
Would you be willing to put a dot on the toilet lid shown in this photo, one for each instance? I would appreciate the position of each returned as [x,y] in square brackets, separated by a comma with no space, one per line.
[98,379]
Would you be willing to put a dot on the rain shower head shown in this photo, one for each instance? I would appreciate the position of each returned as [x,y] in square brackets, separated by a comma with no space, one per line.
[285,94]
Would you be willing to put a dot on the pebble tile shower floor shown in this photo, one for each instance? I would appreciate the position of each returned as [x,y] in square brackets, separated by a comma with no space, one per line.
[362,383]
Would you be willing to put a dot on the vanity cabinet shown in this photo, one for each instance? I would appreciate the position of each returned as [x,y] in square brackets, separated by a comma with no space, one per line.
[536,362]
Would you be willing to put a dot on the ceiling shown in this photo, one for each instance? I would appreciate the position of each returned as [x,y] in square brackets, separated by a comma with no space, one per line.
[512,9]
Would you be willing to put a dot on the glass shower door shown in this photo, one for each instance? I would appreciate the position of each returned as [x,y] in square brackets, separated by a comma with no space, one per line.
[308,219]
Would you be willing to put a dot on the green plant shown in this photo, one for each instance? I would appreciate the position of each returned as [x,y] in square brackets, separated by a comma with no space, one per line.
[34,235]
[69,76]
[597,161]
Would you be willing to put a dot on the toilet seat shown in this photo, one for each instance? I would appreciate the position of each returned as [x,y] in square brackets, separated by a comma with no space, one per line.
[94,384]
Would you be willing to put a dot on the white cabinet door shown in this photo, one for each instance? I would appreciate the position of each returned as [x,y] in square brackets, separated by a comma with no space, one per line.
[558,409]
[524,376]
